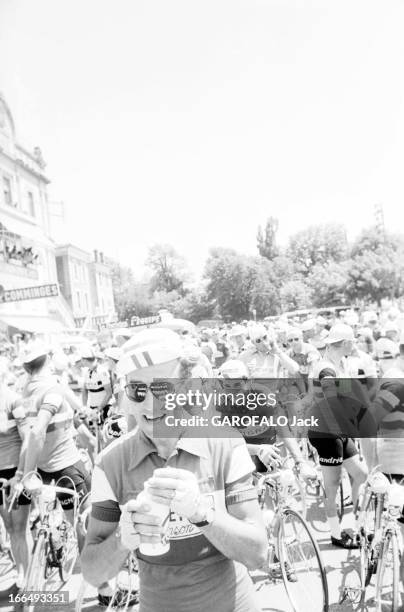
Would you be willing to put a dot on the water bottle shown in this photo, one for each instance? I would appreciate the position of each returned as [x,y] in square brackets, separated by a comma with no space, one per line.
[162,512]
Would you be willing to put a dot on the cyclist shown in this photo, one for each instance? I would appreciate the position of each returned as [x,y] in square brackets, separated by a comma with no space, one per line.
[218,521]
[265,359]
[13,436]
[97,387]
[51,447]
[332,441]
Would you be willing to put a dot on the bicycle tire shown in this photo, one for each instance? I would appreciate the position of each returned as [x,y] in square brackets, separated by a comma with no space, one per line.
[301,600]
[393,603]
[35,580]
[70,553]
[340,502]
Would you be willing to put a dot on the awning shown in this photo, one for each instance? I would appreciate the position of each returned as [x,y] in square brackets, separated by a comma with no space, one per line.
[39,325]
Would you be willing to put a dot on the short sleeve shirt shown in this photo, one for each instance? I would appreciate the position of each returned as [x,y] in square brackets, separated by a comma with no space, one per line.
[59,451]
[193,572]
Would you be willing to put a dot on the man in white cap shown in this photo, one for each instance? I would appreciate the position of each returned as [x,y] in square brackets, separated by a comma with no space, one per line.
[336,451]
[386,347]
[97,394]
[265,359]
[51,447]
[237,338]
[215,525]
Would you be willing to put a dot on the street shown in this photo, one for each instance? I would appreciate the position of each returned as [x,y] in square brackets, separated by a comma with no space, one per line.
[341,569]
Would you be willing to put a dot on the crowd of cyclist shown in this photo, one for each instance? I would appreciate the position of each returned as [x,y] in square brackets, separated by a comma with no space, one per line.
[85,414]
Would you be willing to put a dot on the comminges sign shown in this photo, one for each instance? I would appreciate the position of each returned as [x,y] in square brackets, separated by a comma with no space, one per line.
[28,293]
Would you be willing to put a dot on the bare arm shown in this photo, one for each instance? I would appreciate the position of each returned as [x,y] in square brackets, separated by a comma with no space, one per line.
[239,533]
[103,553]
[36,440]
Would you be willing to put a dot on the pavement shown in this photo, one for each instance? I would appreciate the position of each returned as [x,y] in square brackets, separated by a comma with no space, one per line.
[341,569]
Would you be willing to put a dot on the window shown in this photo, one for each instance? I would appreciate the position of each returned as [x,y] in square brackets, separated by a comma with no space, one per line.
[86,301]
[78,300]
[8,196]
[31,204]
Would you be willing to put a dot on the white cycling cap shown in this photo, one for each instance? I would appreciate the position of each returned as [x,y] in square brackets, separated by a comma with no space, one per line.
[234,368]
[34,351]
[113,352]
[148,348]
[339,333]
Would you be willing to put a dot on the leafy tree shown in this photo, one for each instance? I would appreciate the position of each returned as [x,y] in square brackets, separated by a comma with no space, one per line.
[317,244]
[327,283]
[295,295]
[376,267]
[266,239]
[169,269]
[231,282]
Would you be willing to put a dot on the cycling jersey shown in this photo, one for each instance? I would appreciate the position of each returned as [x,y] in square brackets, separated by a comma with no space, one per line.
[390,441]
[261,365]
[193,572]
[98,383]
[46,393]
[11,414]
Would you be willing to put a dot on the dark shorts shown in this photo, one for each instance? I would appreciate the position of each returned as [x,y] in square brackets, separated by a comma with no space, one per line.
[22,500]
[332,451]
[63,478]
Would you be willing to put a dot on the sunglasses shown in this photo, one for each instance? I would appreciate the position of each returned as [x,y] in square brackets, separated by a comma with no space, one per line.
[137,391]
[293,339]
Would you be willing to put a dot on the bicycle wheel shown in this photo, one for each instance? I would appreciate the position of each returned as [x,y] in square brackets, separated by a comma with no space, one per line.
[340,502]
[301,564]
[70,552]
[387,577]
[35,580]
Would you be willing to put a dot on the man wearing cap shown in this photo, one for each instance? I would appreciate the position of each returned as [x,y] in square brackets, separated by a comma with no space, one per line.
[51,447]
[342,405]
[214,532]
[335,450]
[386,347]
[237,339]
[303,353]
[97,387]
[265,359]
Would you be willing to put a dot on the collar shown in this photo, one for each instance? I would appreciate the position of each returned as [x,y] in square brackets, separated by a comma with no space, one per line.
[142,447]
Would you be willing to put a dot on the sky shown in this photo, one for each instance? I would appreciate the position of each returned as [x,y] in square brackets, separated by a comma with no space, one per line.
[190,122]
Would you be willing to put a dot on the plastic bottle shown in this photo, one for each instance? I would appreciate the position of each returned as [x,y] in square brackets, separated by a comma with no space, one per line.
[161,511]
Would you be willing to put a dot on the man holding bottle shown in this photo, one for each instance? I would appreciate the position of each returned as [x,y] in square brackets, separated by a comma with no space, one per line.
[214,524]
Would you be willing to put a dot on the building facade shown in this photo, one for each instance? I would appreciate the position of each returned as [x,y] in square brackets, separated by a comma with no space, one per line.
[27,256]
[85,281]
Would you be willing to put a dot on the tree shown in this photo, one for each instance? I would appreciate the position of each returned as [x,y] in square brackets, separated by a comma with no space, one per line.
[295,295]
[169,269]
[376,268]
[266,240]
[231,282]
[317,244]
[327,283]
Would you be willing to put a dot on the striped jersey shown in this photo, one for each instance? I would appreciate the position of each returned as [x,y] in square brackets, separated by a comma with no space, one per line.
[44,392]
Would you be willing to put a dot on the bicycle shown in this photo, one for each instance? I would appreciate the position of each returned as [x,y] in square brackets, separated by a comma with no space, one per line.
[55,543]
[380,542]
[291,544]
[6,557]
[124,585]
[315,488]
